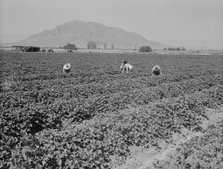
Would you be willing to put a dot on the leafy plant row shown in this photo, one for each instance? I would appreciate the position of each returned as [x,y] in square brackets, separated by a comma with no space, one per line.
[34,118]
[201,152]
[99,92]
[106,139]
[133,80]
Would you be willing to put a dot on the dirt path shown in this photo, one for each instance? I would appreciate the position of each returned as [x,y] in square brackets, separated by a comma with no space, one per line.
[144,158]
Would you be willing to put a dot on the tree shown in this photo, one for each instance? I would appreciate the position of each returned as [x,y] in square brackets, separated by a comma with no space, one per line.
[145,49]
[183,49]
[112,46]
[105,45]
[70,46]
[92,45]
[178,48]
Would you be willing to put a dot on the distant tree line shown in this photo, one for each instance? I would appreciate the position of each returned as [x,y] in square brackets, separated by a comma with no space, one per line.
[94,45]
[175,49]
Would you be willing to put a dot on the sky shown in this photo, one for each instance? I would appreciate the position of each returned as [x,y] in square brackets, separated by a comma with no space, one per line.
[188,23]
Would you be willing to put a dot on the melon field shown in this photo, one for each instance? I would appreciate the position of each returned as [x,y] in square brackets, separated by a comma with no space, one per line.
[95,117]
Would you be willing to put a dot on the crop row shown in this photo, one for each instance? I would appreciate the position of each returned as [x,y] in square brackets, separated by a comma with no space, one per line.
[201,152]
[106,139]
[117,90]
[32,118]
[79,109]
[87,80]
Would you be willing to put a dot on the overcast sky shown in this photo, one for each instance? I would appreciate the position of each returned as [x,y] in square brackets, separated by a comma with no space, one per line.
[197,23]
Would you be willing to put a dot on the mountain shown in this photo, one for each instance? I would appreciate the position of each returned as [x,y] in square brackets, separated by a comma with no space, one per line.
[80,32]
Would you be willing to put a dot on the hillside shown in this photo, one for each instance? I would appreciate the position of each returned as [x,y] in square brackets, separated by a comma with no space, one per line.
[80,32]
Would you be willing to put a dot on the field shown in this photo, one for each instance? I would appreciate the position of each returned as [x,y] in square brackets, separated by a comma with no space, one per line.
[96,117]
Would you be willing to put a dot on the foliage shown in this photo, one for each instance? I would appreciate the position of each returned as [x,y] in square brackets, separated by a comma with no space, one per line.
[92,45]
[200,152]
[145,49]
[112,46]
[105,45]
[176,49]
[91,117]
[70,46]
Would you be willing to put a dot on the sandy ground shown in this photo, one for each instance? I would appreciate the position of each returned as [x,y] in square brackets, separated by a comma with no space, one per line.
[144,158]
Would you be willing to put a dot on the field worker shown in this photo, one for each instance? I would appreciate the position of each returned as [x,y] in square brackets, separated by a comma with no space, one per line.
[156,70]
[125,67]
[66,68]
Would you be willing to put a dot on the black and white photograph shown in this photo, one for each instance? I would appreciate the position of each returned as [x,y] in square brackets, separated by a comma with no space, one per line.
[111,84]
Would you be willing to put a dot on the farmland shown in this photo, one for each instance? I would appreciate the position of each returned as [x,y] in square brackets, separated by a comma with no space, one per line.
[92,117]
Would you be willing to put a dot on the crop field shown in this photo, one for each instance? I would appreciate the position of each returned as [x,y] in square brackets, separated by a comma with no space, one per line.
[93,117]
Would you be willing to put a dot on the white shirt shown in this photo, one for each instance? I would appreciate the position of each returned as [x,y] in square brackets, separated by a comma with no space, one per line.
[126,66]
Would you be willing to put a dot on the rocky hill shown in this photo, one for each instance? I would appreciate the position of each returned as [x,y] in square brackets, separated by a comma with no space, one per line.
[80,32]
